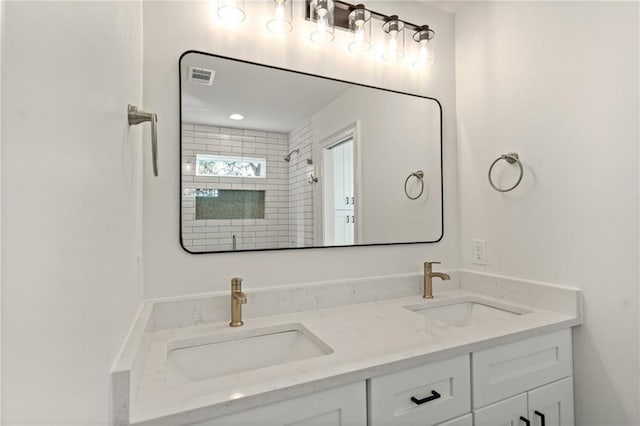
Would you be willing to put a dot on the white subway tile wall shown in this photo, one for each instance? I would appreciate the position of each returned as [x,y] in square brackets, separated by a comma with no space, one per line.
[300,190]
[218,235]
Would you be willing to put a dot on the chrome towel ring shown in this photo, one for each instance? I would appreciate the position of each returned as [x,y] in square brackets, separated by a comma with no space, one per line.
[511,158]
[420,176]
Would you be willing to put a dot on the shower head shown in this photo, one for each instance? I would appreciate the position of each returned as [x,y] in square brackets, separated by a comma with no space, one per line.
[288,157]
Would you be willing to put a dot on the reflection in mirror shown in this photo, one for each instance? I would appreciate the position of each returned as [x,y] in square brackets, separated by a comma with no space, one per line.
[276,159]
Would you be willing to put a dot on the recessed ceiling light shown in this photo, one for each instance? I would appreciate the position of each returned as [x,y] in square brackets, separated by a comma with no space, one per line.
[236,117]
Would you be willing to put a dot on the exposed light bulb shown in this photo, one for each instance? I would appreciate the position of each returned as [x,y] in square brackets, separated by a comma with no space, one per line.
[322,14]
[280,23]
[425,57]
[393,46]
[361,27]
[394,50]
[230,11]
[322,35]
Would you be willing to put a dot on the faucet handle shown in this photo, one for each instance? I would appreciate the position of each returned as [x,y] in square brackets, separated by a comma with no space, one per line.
[431,263]
[236,284]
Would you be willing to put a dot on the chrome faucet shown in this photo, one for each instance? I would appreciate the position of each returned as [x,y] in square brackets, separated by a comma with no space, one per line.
[428,278]
[238,298]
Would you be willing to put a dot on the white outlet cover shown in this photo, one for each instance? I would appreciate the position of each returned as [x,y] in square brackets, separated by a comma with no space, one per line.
[479,252]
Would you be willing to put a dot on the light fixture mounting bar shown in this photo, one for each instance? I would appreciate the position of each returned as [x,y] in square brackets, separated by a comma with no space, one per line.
[342,10]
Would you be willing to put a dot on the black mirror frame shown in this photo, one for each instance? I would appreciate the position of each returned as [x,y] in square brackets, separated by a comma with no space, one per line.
[326,78]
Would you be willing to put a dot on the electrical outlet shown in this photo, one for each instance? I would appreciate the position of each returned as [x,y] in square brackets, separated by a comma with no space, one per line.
[479,252]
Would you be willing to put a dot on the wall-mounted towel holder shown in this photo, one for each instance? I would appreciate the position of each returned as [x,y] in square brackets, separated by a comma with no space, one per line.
[418,174]
[137,116]
[511,158]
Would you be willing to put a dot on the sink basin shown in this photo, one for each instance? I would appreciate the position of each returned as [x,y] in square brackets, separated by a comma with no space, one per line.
[236,352]
[465,313]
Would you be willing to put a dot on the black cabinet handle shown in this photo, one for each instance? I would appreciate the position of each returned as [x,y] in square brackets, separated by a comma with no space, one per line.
[434,395]
[542,418]
[526,421]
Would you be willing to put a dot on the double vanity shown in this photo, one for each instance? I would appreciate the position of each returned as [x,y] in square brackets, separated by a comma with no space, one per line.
[486,351]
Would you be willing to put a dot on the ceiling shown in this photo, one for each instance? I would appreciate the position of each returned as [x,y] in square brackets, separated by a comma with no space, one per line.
[269,99]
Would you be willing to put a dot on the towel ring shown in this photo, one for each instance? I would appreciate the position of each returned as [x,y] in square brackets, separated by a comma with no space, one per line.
[511,158]
[420,175]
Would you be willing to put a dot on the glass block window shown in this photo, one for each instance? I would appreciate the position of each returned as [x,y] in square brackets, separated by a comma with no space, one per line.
[227,166]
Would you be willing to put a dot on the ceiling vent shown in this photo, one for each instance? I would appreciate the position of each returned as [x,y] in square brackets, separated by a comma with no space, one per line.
[201,76]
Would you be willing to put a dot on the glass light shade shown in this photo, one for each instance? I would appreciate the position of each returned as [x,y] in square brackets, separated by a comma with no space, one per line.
[281,21]
[360,24]
[321,14]
[425,56]
[393,39]
[231,11]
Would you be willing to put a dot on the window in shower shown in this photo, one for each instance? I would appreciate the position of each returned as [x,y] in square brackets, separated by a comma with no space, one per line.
[229,166]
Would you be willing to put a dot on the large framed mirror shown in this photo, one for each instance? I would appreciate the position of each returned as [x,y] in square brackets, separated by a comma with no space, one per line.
[273,159]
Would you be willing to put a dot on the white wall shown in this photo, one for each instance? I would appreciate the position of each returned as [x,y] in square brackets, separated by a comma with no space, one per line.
[558,83]
[168,269]
[389,152]
[70,205]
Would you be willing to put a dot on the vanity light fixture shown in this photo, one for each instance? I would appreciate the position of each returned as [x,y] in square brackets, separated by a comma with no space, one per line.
[236,117]
[394,39]
[425,56]
[360,24]
[231,11]
[357,19]
[281,22]
[322,13]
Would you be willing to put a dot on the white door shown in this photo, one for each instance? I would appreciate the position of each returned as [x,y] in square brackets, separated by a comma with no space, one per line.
[340,216]
[509,412]
[552,405]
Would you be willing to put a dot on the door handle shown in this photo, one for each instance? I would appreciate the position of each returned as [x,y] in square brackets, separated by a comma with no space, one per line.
[525,420]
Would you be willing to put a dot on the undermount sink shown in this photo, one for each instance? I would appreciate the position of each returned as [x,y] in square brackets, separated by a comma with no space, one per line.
[231,353]
[465,313]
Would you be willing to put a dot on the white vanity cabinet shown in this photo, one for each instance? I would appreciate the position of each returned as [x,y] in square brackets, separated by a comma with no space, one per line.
[525,383]
[343,406]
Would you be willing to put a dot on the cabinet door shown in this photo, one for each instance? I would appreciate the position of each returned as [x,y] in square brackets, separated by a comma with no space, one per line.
[343,406]
[552,405]
[503,413]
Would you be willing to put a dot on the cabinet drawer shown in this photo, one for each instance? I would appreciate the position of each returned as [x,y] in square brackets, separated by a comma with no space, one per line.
[390,396]
[516,367]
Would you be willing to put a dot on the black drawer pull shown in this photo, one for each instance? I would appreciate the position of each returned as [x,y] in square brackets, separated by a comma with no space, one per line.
[526,421]
[434,395]
[542,418]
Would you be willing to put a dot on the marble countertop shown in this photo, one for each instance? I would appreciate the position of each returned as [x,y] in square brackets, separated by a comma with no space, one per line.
[368,340]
